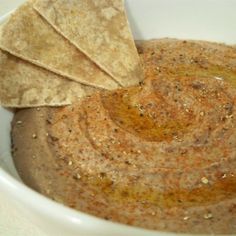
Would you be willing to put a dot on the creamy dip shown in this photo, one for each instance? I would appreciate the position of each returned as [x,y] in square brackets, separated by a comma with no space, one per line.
[160,156]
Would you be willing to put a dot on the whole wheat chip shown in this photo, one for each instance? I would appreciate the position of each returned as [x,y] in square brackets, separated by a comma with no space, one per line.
[28,36]
[100,29]
[23,84]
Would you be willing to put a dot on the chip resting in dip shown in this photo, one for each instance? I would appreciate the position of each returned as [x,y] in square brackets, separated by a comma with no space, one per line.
[146,138]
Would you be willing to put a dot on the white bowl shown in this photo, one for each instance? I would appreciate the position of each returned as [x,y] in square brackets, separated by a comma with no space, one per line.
[189,19]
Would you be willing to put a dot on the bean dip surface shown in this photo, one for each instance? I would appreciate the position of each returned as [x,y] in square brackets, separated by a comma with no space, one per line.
[160,156]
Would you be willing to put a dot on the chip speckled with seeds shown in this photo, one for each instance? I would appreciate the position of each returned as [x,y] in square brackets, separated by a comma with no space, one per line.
[25,85]
[28,36]
[100,29]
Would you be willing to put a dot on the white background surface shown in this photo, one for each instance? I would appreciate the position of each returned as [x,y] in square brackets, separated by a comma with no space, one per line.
[11,222]
[7,5]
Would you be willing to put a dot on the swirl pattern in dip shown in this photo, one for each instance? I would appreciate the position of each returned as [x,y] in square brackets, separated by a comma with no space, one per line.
[160,156]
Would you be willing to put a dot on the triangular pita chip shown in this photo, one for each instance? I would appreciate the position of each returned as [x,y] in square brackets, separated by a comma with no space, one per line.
[23,84]
[100,29]
[28,36]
